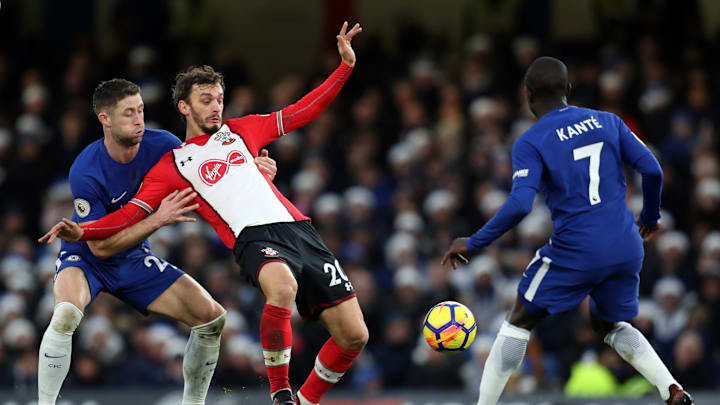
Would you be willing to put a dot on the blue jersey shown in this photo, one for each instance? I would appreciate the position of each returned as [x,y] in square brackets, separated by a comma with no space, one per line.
[101,185]
[575,156]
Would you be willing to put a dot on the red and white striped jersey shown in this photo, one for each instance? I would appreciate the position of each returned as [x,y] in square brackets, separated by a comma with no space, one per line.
[232,192]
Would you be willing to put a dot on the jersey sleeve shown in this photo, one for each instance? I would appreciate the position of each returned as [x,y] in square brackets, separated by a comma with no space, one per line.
[517,206]
[527,165]
[260,129]
[160,181]
[170,141]
[631,147]
[635,153]
[88,199]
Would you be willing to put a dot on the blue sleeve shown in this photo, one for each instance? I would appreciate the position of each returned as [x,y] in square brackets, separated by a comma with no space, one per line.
[510,214]
[170,139]
[527,175]
[88,199]
[527,165]
[635,153]
[631,147]
[652,179]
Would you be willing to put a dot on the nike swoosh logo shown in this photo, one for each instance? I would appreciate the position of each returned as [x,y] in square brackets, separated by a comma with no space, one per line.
[210,363]
[114,200]
[54,357]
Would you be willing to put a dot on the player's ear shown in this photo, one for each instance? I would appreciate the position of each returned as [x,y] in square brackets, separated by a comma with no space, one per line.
[528,95]
[104,119]
[568,90]
[183,107]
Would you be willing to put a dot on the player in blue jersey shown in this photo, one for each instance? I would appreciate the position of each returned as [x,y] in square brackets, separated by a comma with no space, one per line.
[104,177]
[575,156]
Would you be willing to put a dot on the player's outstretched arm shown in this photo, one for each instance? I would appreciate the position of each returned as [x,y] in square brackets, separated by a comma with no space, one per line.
[314,103]
[158,187]
[125,227]
[260,129]
[517,206]
[173,209]
[528,168]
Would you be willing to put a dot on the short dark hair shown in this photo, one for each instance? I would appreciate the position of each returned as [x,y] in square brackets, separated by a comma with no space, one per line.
[547,77]
[199,75]
[109,92]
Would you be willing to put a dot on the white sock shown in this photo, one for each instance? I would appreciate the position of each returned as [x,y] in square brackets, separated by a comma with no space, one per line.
[505,357]
[303,401]
[632,346]
[201,355]
[55,351]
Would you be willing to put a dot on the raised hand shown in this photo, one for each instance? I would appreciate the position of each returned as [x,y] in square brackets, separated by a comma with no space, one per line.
[457,251]
[174,206]
[266,164]
[343,43]
[66,230]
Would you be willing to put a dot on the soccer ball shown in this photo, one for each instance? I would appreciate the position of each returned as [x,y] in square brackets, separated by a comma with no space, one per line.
[449,327]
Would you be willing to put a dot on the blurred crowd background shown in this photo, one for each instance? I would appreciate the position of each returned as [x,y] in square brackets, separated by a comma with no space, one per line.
[414,152]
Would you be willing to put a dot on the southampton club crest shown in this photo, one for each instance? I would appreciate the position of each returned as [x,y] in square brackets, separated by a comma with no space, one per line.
[224,137]
[270,252]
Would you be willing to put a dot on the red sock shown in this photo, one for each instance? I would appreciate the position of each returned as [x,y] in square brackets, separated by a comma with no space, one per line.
[276,339]
[330,365]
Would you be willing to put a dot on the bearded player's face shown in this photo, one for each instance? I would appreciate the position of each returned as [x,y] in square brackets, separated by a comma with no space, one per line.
[206,106]
[127,120]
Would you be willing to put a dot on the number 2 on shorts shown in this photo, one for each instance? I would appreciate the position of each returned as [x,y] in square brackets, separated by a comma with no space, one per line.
[161,264]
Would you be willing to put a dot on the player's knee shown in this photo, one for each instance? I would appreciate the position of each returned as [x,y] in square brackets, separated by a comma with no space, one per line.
[211,331]
[355,338]
[513,342]
[282,293]
[626,340]
[66,318]
[210,311]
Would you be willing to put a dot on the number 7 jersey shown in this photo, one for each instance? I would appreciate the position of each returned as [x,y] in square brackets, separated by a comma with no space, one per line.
[575,156]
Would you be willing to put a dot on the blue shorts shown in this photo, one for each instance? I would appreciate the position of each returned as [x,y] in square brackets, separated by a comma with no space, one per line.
[138,281]
[549,288]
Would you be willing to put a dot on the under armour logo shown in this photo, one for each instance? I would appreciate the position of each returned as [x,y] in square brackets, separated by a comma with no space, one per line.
[348,286]
[182,162]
